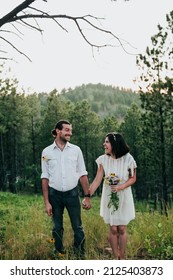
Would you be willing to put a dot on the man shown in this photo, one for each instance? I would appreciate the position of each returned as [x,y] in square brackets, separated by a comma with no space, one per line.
[62,166]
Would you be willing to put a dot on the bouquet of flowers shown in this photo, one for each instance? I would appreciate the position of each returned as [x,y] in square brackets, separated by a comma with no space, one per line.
[112,179]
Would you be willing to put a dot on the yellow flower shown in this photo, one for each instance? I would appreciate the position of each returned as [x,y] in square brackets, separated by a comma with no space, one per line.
[51,240]
[44,158]
[60,255]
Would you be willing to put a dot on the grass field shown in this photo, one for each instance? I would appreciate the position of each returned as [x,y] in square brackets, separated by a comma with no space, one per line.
[25,232]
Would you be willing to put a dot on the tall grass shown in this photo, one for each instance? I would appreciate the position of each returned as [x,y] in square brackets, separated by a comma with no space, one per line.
[25,232]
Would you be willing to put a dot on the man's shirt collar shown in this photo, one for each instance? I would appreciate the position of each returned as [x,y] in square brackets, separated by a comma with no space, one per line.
[54,145]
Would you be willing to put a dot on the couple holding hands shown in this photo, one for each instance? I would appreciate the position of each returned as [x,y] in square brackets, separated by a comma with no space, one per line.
[63,166]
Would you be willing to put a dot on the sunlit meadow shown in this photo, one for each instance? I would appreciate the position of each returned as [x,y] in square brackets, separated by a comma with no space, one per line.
[25,232]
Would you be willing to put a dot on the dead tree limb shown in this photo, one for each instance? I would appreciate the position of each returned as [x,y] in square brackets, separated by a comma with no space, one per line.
[25,12]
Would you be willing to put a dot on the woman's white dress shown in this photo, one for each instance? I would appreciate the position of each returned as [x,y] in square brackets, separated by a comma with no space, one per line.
[126,210]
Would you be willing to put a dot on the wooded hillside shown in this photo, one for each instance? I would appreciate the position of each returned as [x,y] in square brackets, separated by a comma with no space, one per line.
[104,100]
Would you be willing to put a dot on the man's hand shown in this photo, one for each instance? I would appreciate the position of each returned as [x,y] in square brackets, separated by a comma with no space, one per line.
[49,209]
[86,204]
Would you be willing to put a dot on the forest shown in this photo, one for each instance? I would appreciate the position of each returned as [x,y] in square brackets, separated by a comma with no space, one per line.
[144,118]
[27,121]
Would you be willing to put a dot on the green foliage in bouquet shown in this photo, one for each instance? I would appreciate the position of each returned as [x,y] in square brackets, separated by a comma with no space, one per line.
[112,179]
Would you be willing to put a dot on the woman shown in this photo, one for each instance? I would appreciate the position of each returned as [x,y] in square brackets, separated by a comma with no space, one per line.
[117,161]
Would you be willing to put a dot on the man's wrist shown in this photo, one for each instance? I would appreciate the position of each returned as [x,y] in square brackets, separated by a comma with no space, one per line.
[87,195]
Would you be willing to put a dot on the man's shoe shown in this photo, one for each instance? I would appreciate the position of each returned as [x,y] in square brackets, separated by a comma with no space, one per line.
[59,255]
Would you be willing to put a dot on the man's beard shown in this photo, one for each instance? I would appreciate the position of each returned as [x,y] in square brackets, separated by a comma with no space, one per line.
[63,140]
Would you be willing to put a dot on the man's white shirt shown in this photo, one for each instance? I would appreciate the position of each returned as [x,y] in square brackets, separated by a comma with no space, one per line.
[62,168]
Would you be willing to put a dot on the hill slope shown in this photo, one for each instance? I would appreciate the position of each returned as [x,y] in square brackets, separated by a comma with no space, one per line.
[104,100]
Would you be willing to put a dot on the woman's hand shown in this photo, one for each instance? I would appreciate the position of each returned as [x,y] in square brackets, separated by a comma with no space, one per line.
[117,188]
[128,183]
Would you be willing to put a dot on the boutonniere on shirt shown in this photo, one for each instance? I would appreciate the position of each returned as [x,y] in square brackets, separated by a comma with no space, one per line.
[113,179]
[44,158]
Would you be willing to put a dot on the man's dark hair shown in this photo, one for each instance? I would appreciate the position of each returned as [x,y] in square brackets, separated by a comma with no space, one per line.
[59,126]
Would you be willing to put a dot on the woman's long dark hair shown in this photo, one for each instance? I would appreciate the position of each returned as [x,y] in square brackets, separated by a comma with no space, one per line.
[119,146]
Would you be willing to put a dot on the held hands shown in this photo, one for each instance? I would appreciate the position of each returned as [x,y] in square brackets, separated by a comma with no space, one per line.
[86,204]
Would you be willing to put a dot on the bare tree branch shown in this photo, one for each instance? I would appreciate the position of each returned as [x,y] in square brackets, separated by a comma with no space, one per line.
[15,11]
[49,17]
[17,29]
[8,42]
[31,26]
[76,20]
[91,21]
[10,32]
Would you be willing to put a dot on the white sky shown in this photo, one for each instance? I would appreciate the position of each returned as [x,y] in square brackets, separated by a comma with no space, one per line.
[62,60]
